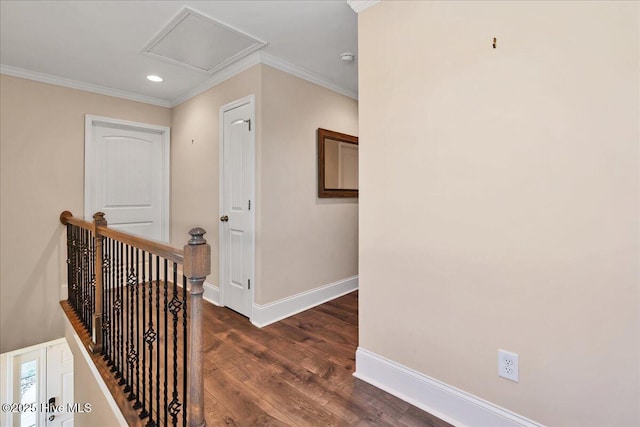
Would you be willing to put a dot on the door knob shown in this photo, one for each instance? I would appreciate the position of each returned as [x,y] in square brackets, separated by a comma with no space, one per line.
[224,218]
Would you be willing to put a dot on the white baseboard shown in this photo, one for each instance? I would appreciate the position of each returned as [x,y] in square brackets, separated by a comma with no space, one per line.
[211,294]
[267,314]
[448,403]
[64,292]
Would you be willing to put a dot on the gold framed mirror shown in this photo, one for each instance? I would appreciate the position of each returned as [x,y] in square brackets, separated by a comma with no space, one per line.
[337,164]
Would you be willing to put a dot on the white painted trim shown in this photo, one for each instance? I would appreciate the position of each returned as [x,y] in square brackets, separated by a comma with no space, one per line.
[219,77]
[267,314]
[300,72]
[251,100]
[87,87]
[211,294]
[64,292]
[165,133]
[360,5]
[92,367]
[448,403]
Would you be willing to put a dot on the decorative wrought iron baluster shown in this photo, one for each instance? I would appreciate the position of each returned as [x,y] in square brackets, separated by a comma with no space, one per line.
[70,284]
[144,413]
[175,306]
[93,273]
[105,299]
[166,344]
[110,266]
[127,329]
[122,353]
[86,282]
[184,350]
[137,404]
[158,346]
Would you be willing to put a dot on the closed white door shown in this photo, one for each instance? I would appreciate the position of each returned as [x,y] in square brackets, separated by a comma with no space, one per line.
[236,213]
[127,176]
[60,386]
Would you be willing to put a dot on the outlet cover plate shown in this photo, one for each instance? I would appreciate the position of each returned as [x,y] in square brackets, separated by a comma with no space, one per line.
[508,365]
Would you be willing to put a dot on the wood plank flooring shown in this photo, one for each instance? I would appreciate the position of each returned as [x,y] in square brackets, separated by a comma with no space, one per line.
[296,372]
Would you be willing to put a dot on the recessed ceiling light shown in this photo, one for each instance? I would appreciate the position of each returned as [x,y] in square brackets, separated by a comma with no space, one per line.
[155,79]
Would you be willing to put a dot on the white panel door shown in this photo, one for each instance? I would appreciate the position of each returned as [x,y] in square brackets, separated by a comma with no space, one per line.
[236,227]
[127,177]
[60,386]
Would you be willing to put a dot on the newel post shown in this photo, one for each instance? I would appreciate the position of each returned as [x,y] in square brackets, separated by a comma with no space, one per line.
[197,265]
[96,333]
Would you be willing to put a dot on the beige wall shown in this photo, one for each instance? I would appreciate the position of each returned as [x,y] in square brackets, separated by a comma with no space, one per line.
[306,242]
[41,174]
[511,177]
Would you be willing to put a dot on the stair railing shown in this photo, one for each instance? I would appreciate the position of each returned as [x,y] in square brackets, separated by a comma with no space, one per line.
[130,294]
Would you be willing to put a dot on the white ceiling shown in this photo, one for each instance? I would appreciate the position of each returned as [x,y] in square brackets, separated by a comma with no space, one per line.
[97,45]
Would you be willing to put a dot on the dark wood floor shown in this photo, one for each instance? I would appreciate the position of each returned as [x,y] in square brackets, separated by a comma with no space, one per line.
[296,372]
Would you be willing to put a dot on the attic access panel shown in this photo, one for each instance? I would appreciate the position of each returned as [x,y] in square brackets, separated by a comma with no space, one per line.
[201,43]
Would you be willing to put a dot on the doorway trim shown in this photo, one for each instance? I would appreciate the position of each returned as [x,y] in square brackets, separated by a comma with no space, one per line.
[251,101]
[165,133]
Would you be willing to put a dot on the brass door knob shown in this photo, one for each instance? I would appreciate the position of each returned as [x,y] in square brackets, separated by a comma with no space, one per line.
[224,218]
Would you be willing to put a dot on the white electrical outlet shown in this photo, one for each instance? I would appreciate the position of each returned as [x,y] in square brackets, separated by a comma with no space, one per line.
[508,365]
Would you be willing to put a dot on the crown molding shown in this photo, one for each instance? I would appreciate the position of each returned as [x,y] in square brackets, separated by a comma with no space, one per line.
[296,71]
[360,5]
[217,78]
[87,87]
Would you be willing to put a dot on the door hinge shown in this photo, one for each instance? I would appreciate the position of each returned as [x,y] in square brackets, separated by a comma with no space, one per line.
[249,204]
[249,283]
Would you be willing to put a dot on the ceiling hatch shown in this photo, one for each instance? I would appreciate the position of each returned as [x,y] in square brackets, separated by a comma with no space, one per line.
[200,43]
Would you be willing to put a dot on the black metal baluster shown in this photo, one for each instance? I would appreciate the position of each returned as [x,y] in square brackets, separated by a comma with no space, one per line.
[116,309]
[121,309]
[112,302]
[158,346]
[83,275]
[93,274]
[174,307]
[144,413]
[70,293]
[129,327]
[137,404]
[85,279]
[184,350]
[166,345]
[106,292]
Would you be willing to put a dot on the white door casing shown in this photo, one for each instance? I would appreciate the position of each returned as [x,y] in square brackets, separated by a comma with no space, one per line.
[127,175]
[237,203]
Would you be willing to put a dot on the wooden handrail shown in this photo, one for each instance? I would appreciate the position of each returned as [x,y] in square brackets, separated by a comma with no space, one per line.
[156,248]
[67,217]
[170,253]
